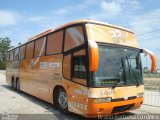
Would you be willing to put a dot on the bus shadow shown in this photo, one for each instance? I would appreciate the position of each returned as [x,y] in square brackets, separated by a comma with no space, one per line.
[52,112]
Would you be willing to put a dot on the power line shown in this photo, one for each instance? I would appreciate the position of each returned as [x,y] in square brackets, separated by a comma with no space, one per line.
[151,38]
[148,32]
[144,23]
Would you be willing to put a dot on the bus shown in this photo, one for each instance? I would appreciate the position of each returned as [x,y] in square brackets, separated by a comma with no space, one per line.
[85,67]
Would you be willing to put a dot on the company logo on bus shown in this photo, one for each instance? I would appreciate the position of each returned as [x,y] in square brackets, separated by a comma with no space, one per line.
[118,36]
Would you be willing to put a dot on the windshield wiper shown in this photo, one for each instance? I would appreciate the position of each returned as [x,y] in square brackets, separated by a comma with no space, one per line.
[122,73]
[129,66]
[138,84]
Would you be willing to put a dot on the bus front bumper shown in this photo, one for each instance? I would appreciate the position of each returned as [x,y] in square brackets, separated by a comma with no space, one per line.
[110,108]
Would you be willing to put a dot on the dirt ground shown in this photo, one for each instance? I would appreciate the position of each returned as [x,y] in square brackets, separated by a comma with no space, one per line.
[22,106]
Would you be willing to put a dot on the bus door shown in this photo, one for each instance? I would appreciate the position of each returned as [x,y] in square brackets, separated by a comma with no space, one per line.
[77,76]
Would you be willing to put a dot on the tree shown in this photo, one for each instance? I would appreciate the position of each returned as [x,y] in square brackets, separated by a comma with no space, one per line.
[5,45]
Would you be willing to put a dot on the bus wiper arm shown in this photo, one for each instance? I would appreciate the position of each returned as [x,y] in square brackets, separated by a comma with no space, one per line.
[137,80]
[129,67]
[122,73]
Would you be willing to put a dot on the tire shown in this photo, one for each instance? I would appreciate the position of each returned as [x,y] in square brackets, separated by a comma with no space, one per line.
[61,100]
[13,84]
[17,85]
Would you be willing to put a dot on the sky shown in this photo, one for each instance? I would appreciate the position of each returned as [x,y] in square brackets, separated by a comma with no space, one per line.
[22,19]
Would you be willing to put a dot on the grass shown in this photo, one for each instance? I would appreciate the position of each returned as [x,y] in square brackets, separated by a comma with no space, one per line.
[152,83]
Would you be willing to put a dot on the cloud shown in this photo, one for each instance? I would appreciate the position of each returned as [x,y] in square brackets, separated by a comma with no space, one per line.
[8,18]
[111,8]
[37,18]
[145,23]
[135,3]
[115,9]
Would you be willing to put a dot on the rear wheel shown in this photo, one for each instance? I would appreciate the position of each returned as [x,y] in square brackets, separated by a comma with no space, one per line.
[17,85]
[13,83]
[61,101]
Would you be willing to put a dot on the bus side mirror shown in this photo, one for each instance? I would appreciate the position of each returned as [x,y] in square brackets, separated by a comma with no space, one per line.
[153,58]
[94,56]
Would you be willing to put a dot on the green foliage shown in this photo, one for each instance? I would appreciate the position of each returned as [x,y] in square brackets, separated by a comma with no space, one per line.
[5,45]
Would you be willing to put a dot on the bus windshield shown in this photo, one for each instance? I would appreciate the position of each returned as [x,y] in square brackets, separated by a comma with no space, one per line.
[117,66]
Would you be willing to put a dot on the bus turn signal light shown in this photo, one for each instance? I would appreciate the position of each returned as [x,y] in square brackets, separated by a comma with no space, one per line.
[94,56]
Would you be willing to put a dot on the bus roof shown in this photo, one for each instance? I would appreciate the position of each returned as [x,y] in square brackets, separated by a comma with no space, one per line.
[77,22]
[72,23]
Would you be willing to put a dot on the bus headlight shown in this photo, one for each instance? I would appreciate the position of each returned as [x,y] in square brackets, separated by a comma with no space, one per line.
[102,100]
[139,95]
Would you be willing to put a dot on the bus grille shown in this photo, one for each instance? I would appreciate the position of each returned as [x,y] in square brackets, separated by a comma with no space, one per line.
[122,108]
[122,99]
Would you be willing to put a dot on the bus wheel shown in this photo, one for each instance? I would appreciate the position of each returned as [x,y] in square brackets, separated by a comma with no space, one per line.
[17,85]
[13,83]
[61,100]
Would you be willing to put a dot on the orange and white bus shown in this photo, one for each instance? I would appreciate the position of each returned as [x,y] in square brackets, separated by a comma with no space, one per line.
[86,67]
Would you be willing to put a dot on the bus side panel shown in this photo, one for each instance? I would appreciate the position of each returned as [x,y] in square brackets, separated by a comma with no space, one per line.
[40,75]
[77,97]
[12,71]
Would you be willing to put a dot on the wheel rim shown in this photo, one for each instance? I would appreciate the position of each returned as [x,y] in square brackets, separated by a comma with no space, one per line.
[62,99]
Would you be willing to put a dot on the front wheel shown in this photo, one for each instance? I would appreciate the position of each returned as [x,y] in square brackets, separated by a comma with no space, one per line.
[62,102]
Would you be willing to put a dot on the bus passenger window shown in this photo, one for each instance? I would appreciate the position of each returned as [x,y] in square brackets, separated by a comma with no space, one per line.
[22,52]
[16,54]
[29,50]
[54,43]
[11,53]
[79,68]
[40,47]
[73,37]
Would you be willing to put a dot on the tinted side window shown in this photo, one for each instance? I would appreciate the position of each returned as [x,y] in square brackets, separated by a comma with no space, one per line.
[54,43]
[79,67]
[16,54]
[73,37]
[40,47]
[29,50]
[22,52]
[11,53]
